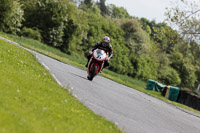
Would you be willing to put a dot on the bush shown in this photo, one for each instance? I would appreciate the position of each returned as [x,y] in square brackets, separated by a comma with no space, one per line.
[31,33]
[144,67]
[170,76]
[48,16]
[11,16]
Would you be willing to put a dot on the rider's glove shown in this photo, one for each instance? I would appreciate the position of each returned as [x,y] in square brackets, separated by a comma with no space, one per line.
[90,52]
[107,58]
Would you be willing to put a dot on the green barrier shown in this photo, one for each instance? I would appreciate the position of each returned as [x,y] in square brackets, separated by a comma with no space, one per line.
[159,87]
[150,84]
[154,85]
[172,93]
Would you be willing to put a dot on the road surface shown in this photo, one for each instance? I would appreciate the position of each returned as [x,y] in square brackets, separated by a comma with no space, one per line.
[129,109]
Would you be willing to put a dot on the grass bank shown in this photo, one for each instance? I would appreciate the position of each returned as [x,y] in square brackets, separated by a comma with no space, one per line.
[32,102]
[80,62]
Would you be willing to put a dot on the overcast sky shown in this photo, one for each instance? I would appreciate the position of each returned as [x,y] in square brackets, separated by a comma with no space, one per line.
[150,9]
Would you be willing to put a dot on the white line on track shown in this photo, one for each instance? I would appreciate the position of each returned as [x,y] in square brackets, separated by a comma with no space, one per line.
[56,79]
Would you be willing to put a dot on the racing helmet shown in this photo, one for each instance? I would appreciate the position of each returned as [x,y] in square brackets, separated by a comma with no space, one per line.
[105,40]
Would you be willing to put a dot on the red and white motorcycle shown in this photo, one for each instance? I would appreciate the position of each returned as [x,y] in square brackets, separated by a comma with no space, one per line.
[96,63]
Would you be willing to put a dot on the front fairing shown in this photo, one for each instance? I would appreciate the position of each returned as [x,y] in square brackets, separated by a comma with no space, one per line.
[98,58]
[99,55]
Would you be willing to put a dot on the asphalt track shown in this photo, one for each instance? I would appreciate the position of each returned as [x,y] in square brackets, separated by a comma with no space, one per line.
[129,109]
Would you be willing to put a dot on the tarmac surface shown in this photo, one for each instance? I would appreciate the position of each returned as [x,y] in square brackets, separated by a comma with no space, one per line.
[131,110]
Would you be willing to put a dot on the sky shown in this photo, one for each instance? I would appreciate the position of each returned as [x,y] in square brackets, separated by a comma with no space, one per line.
[150,9]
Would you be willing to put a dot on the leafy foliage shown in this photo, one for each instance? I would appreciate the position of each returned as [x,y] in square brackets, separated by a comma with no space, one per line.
[49,16]
[89,3]
[11,16]
[144,68]
[185,16]
[169,76]
[31,33]
[143,49]
[102,6]
[136,38]
[117,12]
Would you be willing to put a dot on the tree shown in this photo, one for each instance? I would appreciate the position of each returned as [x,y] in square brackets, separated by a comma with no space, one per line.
[117,12]
[89,6]
[49,16]
[145,25]
[198,76]
[146,68]
[11,16]
[89,3]
[185,69]
[185,17]
[169,76]
[165,36]
[161,33]
[137,39]
[103,7]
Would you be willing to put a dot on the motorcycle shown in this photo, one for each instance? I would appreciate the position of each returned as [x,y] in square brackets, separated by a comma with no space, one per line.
[96,63]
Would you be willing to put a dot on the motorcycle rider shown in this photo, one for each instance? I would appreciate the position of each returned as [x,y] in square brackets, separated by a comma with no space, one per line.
[104,45]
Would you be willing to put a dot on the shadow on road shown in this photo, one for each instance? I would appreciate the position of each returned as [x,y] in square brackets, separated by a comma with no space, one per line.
[79,76]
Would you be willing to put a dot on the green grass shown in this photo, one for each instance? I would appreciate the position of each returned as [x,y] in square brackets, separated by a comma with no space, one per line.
[44,49]
[32,102]
[80,62]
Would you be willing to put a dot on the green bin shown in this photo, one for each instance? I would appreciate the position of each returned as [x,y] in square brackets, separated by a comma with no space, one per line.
[159,87]
[172,93]
[151,84]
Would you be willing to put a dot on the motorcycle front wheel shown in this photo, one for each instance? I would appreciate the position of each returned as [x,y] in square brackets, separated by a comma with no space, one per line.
[92,73]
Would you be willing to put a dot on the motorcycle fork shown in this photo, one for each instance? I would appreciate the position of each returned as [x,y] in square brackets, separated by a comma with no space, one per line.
[89,64]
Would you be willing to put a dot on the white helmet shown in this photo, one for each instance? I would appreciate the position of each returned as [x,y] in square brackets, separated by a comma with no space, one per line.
[106,39]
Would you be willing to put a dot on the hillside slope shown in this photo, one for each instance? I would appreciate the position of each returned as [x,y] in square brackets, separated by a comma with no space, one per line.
[31,100]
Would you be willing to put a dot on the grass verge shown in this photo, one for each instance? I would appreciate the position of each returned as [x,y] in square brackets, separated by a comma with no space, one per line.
[80,62]
[31,100]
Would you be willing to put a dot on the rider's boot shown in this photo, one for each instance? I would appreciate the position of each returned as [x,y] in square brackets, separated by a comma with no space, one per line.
[89,56]
[102,68]
[86,65]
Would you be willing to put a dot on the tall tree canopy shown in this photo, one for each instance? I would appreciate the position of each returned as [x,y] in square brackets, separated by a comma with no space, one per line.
[11,16]
[143,49]
[185,16]
[103,7]
[117,12]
